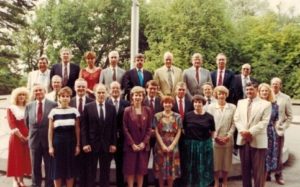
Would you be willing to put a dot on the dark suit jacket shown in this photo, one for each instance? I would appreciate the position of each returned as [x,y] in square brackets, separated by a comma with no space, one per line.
[238,88]
[73,75]
[188,105]
[38,133]
[131,79]
[157,105]
[228,82]
[96,134]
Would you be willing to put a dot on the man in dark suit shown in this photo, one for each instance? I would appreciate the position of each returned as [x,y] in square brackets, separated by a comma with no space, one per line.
[99,135]
[240,81]
[78,102]
[38,134]
[182,103]
[120,104]
[136,76]
[68,71]
[224,77]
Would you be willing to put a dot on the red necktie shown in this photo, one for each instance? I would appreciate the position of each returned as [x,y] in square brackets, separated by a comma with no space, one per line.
[151,104]
[80,106]
[65,77]
[220,80]
[181,112]
[197,75]
[40,113]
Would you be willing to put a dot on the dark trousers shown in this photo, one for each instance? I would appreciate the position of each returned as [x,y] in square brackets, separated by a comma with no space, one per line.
[278,172]
[252,164]
[104,162]
[37,155]
[84,159]
[152,142]
[119,164]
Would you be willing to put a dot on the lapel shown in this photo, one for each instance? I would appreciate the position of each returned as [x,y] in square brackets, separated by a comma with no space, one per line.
[33,111]
[135,77]
[60,69]
[254,110]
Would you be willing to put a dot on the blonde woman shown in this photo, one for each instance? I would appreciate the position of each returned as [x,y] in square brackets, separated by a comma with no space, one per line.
[18,163]
[223,113]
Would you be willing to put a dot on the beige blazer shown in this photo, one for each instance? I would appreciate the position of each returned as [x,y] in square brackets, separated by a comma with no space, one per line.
[223,121]
[33,79]
[161,76]
[285,114]
[258,122]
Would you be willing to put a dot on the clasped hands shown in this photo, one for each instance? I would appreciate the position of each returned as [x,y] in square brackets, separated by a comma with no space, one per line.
[221,140]
[138,147]
[247,136]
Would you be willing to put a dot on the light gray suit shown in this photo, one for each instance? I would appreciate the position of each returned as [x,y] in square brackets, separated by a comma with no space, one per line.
[38,140]
[189,77]
[106,76]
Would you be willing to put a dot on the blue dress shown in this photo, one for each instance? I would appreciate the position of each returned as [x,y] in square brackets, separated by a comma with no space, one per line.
[272,152]
[64,163]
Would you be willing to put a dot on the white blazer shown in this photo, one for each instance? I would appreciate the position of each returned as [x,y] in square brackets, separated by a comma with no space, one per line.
[34,78]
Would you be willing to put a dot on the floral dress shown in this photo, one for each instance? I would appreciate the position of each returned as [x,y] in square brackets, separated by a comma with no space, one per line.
[167,165]
[272,153]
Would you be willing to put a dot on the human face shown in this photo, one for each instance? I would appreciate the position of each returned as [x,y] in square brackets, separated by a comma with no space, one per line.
[65,56]
[39,92]
[197,62]
[137,97]
[221,61]
[100,95]
[115,91]
[152,91]
[21,98]
[42,65]
[56,84]
[181,92]
[80,88]
[251,92]
[113,60]
[221,96]
[246,70]
[264,93]
[207,90]
[168,106]
[90,61]
[198,105]
[64,99]
[168,61]
[139,63]
[276,86]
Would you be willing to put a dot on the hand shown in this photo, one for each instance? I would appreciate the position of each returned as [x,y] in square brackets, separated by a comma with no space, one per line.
[171,148]
[112,149]
[219,140]
[135,148]
[141,146]
[246,135]
[23,139]
[51,151]
[87,148]
[164,148]
[77,150]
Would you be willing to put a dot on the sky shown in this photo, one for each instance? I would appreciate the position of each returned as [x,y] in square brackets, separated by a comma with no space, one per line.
[286,5]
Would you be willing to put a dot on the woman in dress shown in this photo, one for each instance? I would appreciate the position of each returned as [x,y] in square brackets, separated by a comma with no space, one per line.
[63,138]
[197,159]
[91,73]
[168,126]
[266,93]
[18,162]
[137,132]
[223,113]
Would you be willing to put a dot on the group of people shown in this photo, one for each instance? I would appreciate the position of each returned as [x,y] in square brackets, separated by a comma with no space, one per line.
[191,121]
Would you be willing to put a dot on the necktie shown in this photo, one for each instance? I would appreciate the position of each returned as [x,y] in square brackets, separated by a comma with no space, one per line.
[55,96]
[220,80]
[244,86]
[114,77]
[65,77]
[80,106]
[151,104]
[101,113]
[249,110]
[141,78]
[197,75]
[170,80]
[40,112]
[116,105]
[209,100]
[181,112]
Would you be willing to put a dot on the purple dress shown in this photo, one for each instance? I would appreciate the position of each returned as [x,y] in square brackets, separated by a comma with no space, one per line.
[137,129]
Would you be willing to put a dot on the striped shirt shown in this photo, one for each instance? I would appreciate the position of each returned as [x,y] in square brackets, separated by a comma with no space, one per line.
[64,117]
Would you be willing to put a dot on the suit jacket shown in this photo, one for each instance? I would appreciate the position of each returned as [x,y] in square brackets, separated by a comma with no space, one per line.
[238,87]
[106,76]
[33,78]
[285,114]
[223,121]
[256,125]
[73,74]
[161,76]
[228,82]
[157,105]
[189,77]
[131,79]
[100,136]
[38,133]
[136,131]
[188,105]
[73,102]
